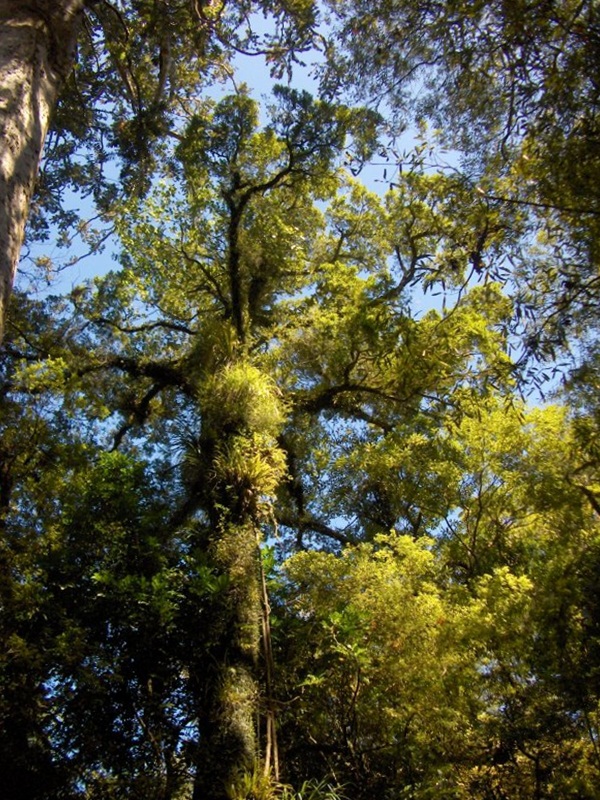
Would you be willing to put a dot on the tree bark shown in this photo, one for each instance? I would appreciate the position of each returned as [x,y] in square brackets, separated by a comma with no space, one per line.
[37,49]
[228,710]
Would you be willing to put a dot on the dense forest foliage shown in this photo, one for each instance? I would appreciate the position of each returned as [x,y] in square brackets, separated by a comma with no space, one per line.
[300,496]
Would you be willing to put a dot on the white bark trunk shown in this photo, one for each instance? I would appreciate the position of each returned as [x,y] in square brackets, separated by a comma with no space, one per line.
[37,45]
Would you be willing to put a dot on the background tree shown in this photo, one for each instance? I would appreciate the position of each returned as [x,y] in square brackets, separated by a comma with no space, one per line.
[410,673]
[512,89]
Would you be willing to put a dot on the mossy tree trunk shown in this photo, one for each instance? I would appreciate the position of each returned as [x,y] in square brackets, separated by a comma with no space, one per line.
[242,466]
[228,736]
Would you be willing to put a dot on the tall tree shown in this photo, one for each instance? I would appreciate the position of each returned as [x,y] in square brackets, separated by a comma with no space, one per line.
[259,333]
[202,358]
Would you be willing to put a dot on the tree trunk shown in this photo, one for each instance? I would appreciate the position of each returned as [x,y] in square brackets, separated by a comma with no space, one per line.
[239,468]
[37,48]
[228,745]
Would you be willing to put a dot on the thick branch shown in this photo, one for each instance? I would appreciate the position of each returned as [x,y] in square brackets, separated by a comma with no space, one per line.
[164,373]
[149,326]
[309,523]
[139,414]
